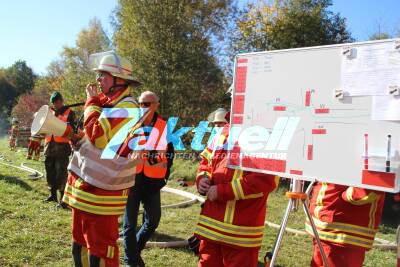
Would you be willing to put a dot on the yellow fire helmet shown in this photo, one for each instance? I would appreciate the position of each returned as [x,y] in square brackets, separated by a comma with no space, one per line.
[114,64]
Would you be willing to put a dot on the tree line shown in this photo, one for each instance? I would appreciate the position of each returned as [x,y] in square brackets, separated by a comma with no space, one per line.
[182,50]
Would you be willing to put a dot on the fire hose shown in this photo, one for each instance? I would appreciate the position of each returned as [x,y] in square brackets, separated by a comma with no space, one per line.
[35,174]
[192,199]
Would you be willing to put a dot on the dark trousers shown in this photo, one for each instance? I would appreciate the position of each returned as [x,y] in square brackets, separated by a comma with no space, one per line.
[56,173]
[134,242]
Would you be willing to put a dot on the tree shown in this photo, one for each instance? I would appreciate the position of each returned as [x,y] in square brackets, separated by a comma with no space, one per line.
[44,87]
[381,31]
[8,95]
[379,36]
[21,76]
[169,44]
[71,72]
[282,24]
[27,105]
[14,81]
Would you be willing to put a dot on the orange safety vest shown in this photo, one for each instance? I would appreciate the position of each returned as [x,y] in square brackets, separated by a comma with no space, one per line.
[157,140]
[59,139]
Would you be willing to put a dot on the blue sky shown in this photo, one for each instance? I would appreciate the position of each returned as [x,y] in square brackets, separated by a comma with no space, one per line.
[36,31]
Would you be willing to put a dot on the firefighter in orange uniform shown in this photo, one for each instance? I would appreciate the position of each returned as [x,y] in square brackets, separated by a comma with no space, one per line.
[231,222]
[219,117]
[34,147]
[347,219]
[57,150]
[14,133]
[98,185]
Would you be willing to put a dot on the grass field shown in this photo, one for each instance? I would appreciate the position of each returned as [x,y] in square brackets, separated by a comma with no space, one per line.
[34,233]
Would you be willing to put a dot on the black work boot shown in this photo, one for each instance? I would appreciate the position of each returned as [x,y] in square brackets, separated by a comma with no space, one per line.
[52,197]
[62,204]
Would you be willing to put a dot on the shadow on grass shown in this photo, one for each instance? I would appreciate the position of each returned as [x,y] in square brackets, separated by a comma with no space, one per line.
[15,181]
[160,237]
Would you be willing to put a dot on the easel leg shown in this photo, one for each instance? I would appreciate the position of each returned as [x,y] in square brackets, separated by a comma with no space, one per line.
[281,232]
[295,194]
[316,236]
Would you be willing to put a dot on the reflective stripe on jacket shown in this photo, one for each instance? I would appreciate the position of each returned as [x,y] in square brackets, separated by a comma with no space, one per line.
[109,174]
[83,195]
[86,197]
[237,217]
[346,216]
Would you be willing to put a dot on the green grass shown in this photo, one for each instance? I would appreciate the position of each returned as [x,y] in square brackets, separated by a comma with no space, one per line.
[34,233]
[184,169]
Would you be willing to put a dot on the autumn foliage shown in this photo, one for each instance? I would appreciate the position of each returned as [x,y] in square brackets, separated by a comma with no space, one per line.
[26,107]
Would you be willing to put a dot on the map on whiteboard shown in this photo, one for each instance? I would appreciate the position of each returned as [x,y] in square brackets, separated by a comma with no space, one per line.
[290,120]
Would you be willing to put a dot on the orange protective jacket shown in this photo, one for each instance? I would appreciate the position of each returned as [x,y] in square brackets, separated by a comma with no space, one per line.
[155,167]
[346,216]
[237,217]
[59,139]
[82,195]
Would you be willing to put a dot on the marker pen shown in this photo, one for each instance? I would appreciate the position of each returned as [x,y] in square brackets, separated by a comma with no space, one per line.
[366,151]
[388,153]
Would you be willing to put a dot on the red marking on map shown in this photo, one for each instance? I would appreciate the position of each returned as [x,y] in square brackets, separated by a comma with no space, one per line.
[240,79]
[382,179]
[238,104]
[308,98]
[318,131]
[237,119]
[297,172]
[310,152]
[242,60]
[279,108]
[275,165]
[321,110]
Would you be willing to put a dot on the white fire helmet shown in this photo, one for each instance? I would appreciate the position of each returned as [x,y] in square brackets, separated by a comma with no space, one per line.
[114,64]
[218,116]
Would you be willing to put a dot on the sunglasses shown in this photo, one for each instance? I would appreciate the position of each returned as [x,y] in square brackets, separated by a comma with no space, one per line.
[145,104]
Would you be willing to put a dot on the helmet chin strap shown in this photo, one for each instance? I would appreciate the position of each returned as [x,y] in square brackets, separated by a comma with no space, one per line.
[115,86]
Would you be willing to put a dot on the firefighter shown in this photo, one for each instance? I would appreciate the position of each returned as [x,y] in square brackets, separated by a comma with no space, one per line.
[347,219]
[219,117]
[34,147]
[151,176]
[14,133]
[57,150]
[231,222]
[97,188]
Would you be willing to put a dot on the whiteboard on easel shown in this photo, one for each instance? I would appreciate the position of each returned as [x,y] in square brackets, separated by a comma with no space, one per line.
[320,114]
